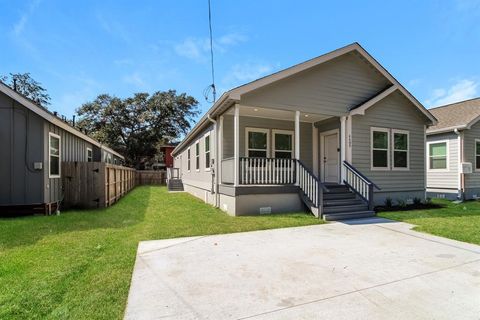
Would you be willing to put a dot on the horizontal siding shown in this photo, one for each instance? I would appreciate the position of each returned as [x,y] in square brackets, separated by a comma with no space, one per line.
[445,179]
[329,88]
[395,112]
[472,180]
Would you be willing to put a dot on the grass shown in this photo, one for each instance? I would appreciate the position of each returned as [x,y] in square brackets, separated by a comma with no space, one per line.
[79,264]
[450,220]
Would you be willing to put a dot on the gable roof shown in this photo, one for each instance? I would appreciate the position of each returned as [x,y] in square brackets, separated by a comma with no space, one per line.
[459,115]
[50,117]
[234,95]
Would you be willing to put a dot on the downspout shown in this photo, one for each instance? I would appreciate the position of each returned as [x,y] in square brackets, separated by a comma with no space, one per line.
[461,175]
[215,168]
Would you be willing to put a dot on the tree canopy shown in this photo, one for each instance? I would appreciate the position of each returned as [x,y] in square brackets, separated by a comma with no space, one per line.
[136,125]
[24,84]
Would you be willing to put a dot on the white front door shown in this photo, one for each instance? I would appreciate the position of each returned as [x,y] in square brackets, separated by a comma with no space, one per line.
[331,163]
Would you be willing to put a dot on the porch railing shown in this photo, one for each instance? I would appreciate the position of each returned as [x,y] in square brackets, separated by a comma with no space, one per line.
[359,184]
[311,186]
[173,173]
[266,171]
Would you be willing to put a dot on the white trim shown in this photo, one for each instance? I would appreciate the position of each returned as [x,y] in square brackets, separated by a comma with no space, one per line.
[447,149]
[379,97]
[50,135]
[285,132]
[315,149]
[348,151]
[89,149]
[378,129]
[236,145]
[322,151]
[189,159]
[343,147]
[197,156]
[447,129]
[475,155]
[262,130]
[393,149]
[207,165]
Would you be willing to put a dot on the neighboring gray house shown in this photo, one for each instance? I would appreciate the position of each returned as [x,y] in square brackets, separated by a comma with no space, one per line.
[34,144]
[337,133]
[453,151]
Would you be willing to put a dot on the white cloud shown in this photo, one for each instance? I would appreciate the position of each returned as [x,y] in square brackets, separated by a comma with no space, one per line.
[461,90]
[135,79]
[245,72]
[113,27]
[19,26]
[198,49]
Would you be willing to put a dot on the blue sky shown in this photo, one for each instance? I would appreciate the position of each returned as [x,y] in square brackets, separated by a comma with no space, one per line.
[78,50]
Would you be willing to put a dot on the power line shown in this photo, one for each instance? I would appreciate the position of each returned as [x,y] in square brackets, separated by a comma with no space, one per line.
[211,88]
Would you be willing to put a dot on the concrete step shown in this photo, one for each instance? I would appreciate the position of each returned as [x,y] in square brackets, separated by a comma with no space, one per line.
[347,209]
[338,196]
[342,202]
[348,215]
[337,189]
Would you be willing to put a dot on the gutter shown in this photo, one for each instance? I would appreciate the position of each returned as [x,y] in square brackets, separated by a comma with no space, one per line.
[216,164]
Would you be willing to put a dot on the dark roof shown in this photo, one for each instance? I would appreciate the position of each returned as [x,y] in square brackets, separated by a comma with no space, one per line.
[459,115]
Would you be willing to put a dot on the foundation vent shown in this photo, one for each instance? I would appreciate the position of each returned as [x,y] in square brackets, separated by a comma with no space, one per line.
[265,210]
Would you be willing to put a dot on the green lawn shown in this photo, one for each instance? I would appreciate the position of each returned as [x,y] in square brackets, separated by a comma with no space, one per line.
[78,265]
[454,221]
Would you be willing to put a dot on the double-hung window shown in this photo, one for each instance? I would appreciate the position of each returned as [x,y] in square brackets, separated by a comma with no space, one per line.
[197,156]
[477,154]
[54,153]
[282,144]
[437,155]
[380,143]
[257,142]
[400,151]
[89,155]
[207,152]
[188,159]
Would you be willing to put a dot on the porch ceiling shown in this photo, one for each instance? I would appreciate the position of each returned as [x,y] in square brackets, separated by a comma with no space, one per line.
[248,111]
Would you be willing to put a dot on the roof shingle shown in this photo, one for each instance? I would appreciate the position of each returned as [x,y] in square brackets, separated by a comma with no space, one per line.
[456,115]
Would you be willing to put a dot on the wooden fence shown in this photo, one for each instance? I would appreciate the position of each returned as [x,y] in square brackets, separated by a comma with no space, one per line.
[148,177]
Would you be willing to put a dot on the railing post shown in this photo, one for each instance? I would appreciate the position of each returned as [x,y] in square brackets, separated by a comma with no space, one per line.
[370,196]
[320,199]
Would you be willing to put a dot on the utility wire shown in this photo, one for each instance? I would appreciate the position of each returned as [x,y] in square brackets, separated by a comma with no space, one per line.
[212,86]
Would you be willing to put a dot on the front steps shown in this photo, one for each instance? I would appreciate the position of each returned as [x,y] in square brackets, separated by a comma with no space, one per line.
[175,185]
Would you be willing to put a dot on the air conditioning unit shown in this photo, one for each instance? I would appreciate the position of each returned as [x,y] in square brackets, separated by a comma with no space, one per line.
[466,167]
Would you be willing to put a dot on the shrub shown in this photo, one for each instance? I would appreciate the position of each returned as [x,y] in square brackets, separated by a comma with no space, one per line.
[401,203]
[388,202]
[417,201]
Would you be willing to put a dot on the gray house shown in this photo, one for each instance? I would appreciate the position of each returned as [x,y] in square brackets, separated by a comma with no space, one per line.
[337,134]
[453,151]
[35,143]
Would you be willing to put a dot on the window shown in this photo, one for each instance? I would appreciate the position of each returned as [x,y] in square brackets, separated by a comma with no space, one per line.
[283,144]
[400,145]
[437,155]
[89,155]
[207,152]
[477,154]
[54,155]
[380,148]
[188,159]
[197,156]
[257,142]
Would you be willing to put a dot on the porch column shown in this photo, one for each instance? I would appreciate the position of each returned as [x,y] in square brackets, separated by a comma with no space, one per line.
[343,145]
[220,150]
[236,148]
[297,142]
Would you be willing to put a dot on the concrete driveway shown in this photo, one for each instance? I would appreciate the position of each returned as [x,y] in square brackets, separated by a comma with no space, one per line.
[371,269]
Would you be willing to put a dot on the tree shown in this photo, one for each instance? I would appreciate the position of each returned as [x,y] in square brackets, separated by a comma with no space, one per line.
[24,84]
[134,126]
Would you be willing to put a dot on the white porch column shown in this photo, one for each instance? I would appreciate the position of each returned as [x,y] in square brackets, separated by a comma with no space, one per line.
[236,149]
[315,149]
[348,154]
[220,149]
[343,145]
[297,141]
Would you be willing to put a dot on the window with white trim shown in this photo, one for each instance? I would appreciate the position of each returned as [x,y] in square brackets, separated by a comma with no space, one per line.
[207,152]
[188,159]
[54,154]
[282,144]
[477,154]
[256,142]
[400,145]
[380,144]
[437,155]
[197,156]
[89,155]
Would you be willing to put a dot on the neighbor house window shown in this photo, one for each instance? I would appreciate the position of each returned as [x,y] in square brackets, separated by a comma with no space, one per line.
[380,148]
[188,159]
[89,155]
[207,152]
[437,155]
[400,145]
[54,155]
[283,144]
[197,156]
[257,142]
[477,154]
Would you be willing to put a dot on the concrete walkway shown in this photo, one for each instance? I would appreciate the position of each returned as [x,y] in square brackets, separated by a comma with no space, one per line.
[369,269]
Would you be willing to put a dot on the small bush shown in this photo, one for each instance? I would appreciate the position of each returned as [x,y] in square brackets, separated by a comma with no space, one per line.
[401,203]
[417,201]
[388,202]
[428,200]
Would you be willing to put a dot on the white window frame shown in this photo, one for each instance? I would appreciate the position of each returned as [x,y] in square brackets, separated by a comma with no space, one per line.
[387,130]
[286,132]
[475,154]
[50,135]
[189,158]
[207,163]
[197,156]
[447,142]
[91,151]
[392,144]
[262,130]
